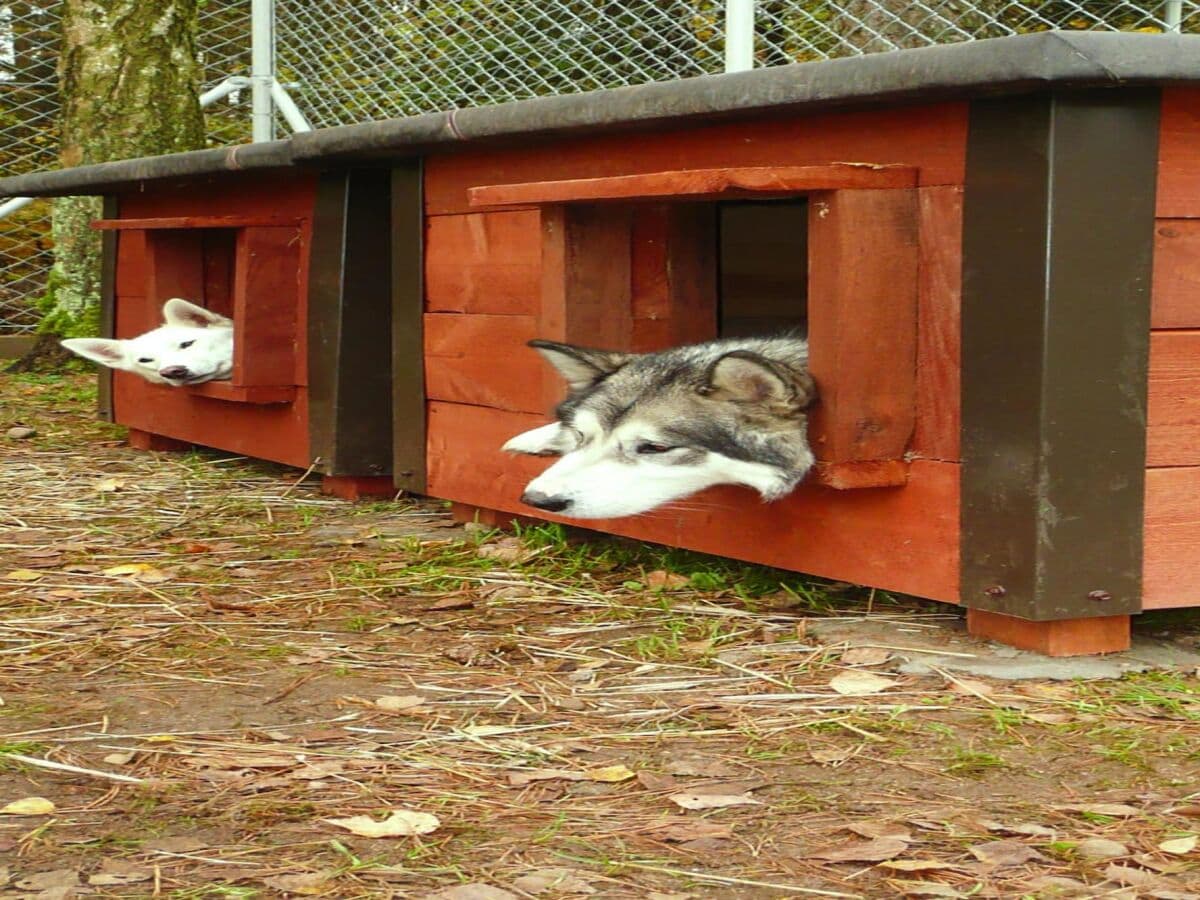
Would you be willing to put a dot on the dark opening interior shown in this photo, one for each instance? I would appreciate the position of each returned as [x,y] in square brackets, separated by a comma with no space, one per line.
[762,267]
[196,264]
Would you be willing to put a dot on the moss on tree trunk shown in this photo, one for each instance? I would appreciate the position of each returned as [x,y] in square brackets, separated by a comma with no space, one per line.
[129,80]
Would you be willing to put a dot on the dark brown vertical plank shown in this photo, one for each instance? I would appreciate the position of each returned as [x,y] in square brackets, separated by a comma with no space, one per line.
[108,305]
[1058,234]
[407,352]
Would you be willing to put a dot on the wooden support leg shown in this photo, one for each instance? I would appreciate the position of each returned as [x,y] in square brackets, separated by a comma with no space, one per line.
[350,487]
[147,440]
[1064,637]
[492,518]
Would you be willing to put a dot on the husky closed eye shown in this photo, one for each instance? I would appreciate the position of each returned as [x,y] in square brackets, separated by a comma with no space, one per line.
[145,359]
[649,447]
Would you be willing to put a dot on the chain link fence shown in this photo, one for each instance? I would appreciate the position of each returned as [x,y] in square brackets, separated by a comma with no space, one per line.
[352,62]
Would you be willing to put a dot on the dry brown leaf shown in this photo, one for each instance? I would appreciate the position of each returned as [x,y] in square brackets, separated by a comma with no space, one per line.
[28,806]
[660,580]
[528,776]
[176,844]
[832,757]
[1128,876]
[1179,846]
[559,881]
[49,881]
[652,781]
[858,683]
[692,800]
[880,830]
[678,830]
[700,767]
[865,656]
[1004,853]
[474,891]
[453,602]
[916,865]
[875,850]
[127,569]
[400,823]
[115,872]
[319,770]
[122,758]
[609,774]
[1117,810]
[108,485]
[1100,848]
[24,575]
[971,687]
[393,703]
[309,884]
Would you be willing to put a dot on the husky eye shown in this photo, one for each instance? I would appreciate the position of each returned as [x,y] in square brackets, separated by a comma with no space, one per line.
[145,359]
[186,344]
[648,447]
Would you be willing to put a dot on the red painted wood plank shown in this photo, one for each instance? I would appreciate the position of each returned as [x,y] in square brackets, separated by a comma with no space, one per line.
[227,390]
[897,539]
[715,184]
[287,194]
[229,221]
[484,263]
[1060,637]
[483,360]
[1171,557]
[266,293]
[936,430]
[1173,417]
[862,314]
[931,138]
[1178,193]
[132,270]
[1176,285]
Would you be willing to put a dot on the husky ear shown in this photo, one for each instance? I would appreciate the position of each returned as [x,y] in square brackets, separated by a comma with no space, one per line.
[180,312]
[549,440]
[745,377]
[580,366]
[107,352]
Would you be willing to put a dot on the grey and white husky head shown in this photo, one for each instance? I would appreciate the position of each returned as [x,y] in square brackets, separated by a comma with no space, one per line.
[640,430]
[193,345]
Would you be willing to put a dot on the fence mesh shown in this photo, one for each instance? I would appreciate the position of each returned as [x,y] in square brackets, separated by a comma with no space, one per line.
[352,62]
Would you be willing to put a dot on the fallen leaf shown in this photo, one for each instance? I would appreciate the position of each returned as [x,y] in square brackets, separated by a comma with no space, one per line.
[1100,848]
[880,830]
[310,884]
[560,881]
[1128,876]
[176,844]
[20,432]
[48,881]
[1117,810]
[609,774]
[925,889]
[700,767]
[520,779]
[652,781]
[128,569]
[1027,828]
[865,656]
[505,550]
[690,800]
[678,830]
[120,759]
[863,851]
[474,891]
[1179,846]
[24,575]
[108,485]
[971,687]
[401,823]
[319,771]
[115,872]
[1004,853]
[396,704]
[857,683]
[29,806]
[452,602]
[660,580]
[1050,718]
[831,757]
[916,865]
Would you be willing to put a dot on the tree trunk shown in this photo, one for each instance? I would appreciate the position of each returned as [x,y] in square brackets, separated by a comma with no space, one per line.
[129,81]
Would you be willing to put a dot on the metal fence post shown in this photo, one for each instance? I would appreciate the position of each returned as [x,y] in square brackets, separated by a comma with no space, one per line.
[262,69]
[739,35]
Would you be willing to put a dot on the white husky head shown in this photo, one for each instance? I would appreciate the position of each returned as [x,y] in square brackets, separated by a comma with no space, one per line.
[194,345]
[638,431]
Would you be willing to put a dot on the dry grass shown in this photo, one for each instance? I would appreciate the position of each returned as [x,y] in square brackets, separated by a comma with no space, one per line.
[270,659]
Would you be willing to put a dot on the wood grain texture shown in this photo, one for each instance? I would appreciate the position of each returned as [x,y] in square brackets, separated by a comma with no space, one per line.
[939,340]
[862,315]
[1171,556]
[712,184]
[1173,429]
[1060,637]
[131,264]
[266,305]
[171,222]
[896,539]
[483,361]
[1179,154]
[931,138]
[484,263]
[1175,301]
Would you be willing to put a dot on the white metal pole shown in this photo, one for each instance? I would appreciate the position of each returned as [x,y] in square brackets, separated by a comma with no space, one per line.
[1174,15]
[739,35]
[262,68]
[8,207]
[288,108]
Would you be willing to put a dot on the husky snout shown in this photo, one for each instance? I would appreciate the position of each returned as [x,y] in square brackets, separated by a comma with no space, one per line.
[175,373]
[545,501]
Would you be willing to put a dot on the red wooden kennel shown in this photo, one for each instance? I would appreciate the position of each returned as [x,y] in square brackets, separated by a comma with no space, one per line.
[993,247]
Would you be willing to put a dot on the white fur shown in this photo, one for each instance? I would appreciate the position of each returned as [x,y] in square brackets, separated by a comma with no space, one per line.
[548,440]
[194,345]
[605,478]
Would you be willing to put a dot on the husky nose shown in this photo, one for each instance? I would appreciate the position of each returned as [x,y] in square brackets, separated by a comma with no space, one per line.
[174,372]
[545,501]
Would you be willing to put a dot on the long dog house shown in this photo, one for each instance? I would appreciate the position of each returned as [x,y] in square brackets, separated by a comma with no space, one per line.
[994,248]
[297,258]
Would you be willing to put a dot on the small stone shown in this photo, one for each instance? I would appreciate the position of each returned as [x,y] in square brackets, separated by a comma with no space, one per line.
[1101,848]
[20,432]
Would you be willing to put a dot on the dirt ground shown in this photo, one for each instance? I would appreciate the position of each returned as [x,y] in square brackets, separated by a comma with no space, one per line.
[215,682]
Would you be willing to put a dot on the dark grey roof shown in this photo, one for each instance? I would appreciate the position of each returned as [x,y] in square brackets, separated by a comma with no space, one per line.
[978,68]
